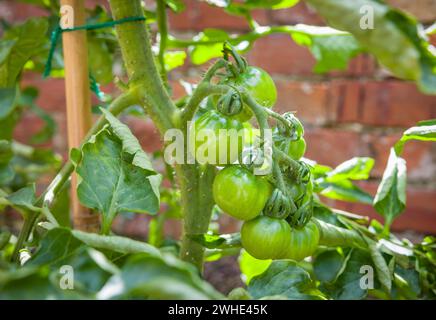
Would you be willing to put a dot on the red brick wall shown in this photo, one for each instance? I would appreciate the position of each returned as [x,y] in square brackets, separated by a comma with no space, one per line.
[357,112]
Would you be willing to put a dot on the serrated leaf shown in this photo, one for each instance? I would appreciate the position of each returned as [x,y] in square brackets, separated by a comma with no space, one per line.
[357,168]
[285,278]
[146,277]
[331,48]
[130,144]
[390,199]
[29,39]
[116,175]
[24,199]
[423,132]
[345,190]
[348,285]
[393,37]
[327,265]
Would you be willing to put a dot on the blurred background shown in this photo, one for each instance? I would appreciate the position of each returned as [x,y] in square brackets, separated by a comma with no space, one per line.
[361,111]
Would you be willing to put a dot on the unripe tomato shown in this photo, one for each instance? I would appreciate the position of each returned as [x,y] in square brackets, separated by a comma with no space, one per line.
[257,83]
[213,134]
[303,242]
[266,238]
[297,148]
[240,193]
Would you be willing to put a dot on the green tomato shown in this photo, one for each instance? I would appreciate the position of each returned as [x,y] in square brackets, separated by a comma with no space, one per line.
[297,148]
[259,84]
[266,238]
[304,242]
[240,193]
[213,141]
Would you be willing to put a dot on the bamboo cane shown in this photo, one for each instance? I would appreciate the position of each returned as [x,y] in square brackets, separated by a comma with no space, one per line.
[78,98]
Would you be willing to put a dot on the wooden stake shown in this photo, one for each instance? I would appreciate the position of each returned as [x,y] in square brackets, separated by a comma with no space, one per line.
[79,118]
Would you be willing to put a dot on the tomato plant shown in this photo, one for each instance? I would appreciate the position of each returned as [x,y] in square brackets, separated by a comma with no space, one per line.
[290,244]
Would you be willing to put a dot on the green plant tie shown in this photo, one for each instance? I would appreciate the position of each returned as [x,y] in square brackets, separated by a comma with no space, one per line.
[95,87]
[58,30]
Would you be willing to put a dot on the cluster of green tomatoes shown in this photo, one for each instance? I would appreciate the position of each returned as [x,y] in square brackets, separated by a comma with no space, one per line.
[276,223]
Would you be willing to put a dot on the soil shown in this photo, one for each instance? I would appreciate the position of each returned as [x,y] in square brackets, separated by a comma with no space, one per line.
[224,274]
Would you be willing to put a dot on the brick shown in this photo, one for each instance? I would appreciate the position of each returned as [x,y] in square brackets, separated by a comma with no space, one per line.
[424,10]
[419,156]
[384,103]
[333,146]
[51,91]
[363,65]
[198,15]
[278,53]
[146,132]
[419,214]
[300,13]
[19,12]
[311,101]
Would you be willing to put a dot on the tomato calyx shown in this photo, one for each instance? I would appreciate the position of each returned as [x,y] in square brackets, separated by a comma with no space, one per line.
[241,63]
[279,205]
[291,127]
[230,104]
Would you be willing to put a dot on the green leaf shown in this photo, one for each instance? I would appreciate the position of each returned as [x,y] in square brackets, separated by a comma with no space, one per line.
[345,190]
[204,52]
[285,278]
[348,284]
[27,284]
[174,59]
[130,144]
[381,267]
[215,241]
[146,277]
[176,5]
[251,267]
[269,4]
[8,101]
[60,207]
[8,124]
[115,243]
[24,199]
[331,48]
[60,247]
[56,246]
[29,39]
[116,174]
[394,38]
[327,265]
[406,283]
[357,168]
[421,133]
[390,199]
[100,59]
